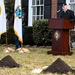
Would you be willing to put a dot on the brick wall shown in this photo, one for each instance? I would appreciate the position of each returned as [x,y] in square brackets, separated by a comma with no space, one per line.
[54,8]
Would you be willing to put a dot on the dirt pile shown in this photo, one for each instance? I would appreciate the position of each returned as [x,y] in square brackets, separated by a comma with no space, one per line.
[8,61]
[59,66]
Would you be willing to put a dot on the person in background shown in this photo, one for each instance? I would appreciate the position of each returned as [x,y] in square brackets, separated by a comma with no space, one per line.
[66,13]
[17,42]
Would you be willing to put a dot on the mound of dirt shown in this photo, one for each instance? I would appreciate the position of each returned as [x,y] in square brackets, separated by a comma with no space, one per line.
[59,66]
[8,61]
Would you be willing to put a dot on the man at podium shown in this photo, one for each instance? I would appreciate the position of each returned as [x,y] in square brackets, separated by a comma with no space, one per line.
[60,31]
[67,14]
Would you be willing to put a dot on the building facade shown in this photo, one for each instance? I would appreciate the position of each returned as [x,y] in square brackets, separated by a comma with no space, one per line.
[43,9]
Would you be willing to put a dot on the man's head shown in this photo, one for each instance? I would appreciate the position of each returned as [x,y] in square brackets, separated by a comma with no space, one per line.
[64,7]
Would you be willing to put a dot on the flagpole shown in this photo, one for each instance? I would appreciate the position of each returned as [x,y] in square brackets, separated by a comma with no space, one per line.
[21,45]
[6,40]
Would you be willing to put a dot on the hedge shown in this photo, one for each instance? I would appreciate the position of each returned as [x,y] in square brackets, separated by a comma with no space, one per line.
[42,35]
[27,40]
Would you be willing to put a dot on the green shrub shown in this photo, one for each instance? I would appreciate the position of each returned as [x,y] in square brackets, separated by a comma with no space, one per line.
[27,39]
[9,36]
[3,38]
[39,34]
[42,35]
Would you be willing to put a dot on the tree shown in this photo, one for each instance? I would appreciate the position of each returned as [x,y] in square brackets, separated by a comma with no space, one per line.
[9,6]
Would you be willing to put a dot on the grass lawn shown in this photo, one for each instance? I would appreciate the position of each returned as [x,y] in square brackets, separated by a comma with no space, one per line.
[37,58]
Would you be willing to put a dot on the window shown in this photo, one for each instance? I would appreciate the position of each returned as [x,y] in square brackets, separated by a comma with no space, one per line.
[71,0]
[37,9]
[72,5]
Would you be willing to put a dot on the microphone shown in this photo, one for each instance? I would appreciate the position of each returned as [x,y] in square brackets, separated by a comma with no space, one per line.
[58,11]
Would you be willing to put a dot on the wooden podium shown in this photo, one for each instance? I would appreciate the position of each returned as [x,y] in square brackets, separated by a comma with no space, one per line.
[60,36]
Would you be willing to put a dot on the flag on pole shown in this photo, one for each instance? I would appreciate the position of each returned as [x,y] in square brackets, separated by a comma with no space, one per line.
[18,20]
[2,17]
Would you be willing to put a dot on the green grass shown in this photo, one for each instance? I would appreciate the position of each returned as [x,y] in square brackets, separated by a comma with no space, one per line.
[37,58]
